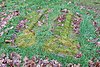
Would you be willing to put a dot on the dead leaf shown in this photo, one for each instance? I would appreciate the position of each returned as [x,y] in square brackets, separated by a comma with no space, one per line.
[98,44]
[78,55]
[21,25]
[16,13]
[2,4]
[1,33]
[64,10]
[61,18]
[98,51]
[95,24]
[40,23]
[73,65]
[97,64]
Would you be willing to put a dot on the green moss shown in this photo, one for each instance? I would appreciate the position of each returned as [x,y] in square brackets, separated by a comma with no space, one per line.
[27,37]
[63,41]
[33,18]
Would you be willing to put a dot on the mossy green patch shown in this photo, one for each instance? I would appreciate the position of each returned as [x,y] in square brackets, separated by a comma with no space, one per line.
[27,37]
[62,41]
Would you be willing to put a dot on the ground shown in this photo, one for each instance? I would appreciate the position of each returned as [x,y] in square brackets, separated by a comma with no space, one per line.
[28,9]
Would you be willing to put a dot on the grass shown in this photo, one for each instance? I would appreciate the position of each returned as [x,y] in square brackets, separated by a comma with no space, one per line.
[92,3]
[86,29]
